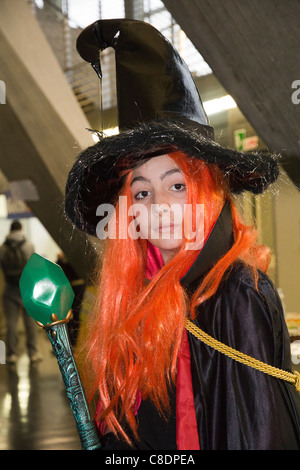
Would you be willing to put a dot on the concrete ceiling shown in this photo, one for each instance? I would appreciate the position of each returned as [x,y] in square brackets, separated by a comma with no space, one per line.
[251,46]
[253,49]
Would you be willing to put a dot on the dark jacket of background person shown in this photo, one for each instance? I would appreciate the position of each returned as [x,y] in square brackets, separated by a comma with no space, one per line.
[12,301]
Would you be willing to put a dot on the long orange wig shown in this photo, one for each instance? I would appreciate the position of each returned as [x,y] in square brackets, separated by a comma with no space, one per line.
[130,345]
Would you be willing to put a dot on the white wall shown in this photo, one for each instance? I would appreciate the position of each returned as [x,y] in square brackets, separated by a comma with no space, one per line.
[287,233]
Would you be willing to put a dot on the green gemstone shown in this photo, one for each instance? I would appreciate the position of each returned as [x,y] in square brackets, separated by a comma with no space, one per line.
[45,290]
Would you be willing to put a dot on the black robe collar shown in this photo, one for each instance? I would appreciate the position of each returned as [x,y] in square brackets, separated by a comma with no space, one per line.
[217,245]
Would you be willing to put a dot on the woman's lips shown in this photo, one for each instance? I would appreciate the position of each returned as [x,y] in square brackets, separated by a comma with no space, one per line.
[167,228]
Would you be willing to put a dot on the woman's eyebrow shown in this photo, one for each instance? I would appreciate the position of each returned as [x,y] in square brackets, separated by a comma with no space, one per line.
[170,172]
[167,173]
[139,178]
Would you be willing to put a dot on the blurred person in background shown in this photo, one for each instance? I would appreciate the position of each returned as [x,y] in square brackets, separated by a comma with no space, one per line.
[14,254]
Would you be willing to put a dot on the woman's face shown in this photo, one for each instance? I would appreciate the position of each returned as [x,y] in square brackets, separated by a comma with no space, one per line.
[159,195]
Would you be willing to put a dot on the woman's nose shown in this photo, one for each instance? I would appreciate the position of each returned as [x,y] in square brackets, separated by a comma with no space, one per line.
[161,198]
[161,207]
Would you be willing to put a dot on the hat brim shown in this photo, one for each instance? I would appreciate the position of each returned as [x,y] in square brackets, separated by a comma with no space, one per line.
[95,177]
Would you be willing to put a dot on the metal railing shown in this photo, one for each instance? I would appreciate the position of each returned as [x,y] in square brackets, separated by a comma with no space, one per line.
[90,93]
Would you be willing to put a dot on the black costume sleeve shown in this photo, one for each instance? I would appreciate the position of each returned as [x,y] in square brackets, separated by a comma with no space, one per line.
[238,407]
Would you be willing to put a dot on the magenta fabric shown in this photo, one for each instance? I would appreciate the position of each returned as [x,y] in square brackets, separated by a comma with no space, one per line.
[186,424]
[154,260]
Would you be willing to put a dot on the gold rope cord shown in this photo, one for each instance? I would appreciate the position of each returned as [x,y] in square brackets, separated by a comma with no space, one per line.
[293,378]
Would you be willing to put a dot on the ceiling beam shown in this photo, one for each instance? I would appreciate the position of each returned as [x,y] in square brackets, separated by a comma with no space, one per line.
[252,48]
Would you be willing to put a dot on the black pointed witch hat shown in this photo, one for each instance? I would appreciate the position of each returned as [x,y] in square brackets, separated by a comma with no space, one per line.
[159,111]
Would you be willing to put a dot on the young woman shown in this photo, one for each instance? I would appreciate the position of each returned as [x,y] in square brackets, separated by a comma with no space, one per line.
[179,252]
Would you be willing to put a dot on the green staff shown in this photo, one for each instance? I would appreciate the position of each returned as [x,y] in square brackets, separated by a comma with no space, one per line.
[48,297]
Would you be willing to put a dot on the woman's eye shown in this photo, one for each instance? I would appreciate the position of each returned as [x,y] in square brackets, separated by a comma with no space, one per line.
[178,186]
[141,195]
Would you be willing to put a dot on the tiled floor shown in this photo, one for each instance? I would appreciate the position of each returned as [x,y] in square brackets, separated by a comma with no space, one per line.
[34,410]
